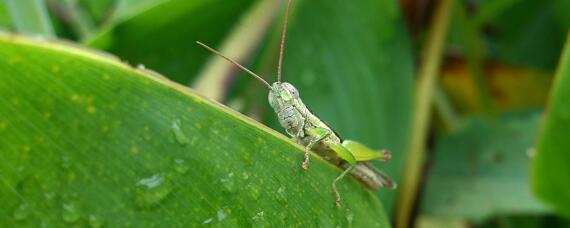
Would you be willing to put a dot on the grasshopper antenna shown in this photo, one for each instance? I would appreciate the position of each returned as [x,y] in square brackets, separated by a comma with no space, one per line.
[235,63]
[283,35]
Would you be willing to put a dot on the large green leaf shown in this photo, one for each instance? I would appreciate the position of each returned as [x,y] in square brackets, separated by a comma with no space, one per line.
[550,167]
[85,139]
[481,170]
[163,37]
[352,64]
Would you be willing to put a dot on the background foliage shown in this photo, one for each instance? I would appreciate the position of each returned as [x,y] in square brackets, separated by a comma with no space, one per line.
[498,96]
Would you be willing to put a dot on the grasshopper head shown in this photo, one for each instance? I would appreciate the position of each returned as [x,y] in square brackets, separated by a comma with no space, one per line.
[281,93]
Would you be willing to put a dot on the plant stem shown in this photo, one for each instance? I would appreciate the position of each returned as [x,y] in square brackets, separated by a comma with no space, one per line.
[428,71]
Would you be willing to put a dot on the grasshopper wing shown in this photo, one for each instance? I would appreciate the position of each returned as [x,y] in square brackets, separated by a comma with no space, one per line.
[364,153]
[372,178]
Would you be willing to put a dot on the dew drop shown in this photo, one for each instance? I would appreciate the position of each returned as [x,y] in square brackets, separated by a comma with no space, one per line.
[135,150]
[282,194]
[141,66]
[96,221]
[70,213]
[260,216]
[221,215]
[282,215]
[253,191]
[181,166]
[151,191]
[21,212]
[65,162]
[50,195]
[179,135]
[245,175]
[531,152]
[228,182]
[349,217]
[207,221]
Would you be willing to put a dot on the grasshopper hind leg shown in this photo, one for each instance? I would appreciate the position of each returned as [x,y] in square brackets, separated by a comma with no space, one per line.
[345,154]
[335,190]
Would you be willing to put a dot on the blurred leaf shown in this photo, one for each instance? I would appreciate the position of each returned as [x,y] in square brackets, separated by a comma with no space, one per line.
[523,221]
[490,9]
[30,17]
[85,140]
[517,32]
[72,13]
[562,7]
[5,22]
[163,37]
[352,64]
[511,87]
[109,12]
[550,167]
[239,44]
[482,169]
[527,33]
[100,10]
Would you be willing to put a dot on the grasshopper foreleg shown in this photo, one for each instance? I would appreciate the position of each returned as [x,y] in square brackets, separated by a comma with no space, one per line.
[317,135]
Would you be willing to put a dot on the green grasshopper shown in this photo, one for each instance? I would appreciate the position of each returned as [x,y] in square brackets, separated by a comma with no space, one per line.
[314,134]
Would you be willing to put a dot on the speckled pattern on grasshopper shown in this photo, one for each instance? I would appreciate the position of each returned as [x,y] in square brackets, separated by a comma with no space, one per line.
[314,134]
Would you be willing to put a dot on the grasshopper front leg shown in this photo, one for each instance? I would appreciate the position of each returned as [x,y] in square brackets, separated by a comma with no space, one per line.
[317,135]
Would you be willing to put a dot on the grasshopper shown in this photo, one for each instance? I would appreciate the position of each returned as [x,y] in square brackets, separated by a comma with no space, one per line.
[314,134]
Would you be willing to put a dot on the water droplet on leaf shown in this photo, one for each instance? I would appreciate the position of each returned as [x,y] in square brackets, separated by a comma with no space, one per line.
[181,166]
[179,135]
[151,191]
[65,162]
[95,221]
[70,213]
[21,212]
[282,194]
[260,216]
[228,182]
[253,191]
[207,221]
[221,215]
[349,217]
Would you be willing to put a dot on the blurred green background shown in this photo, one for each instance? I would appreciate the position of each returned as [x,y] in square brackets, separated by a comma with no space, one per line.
[471,96]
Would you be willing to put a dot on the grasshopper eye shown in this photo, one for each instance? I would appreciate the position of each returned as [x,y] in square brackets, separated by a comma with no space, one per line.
[270,98]
[292,90]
